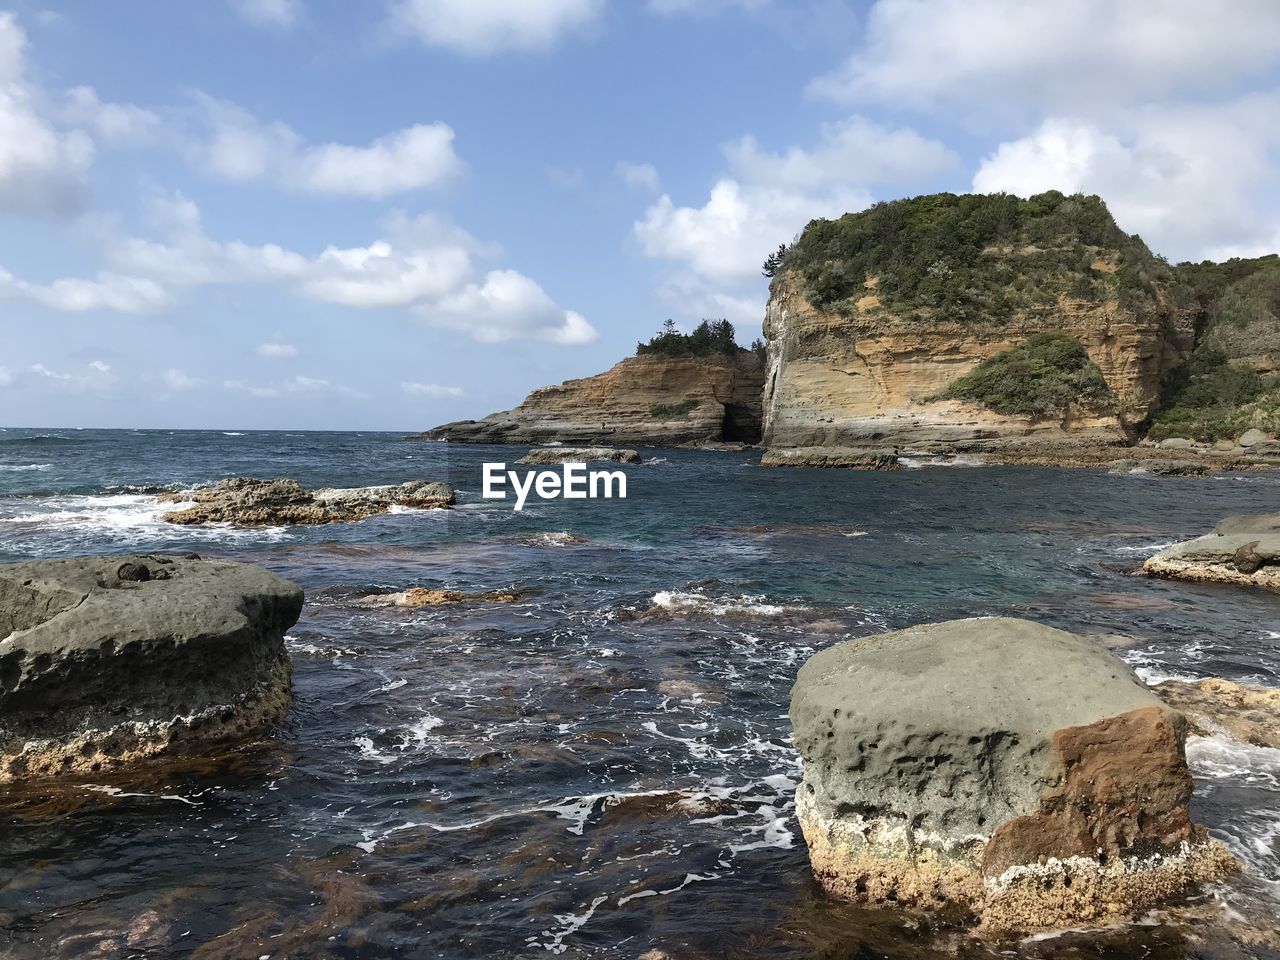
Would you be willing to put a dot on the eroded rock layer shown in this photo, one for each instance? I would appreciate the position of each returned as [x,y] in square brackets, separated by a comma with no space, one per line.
[105,660]
[642,400]
[1241,550]
[246,501]
[1007,769]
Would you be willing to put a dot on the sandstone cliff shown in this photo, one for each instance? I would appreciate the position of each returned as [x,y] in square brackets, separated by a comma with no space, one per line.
[642,400]
[872,317]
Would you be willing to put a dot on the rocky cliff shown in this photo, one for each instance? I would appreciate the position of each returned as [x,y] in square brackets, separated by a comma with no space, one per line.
[642,400]
[872,317]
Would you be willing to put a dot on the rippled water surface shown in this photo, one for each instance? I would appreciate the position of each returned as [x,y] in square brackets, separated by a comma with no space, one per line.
[603,768]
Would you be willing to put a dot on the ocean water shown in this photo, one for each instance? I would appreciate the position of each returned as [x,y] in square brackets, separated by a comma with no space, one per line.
[603,768]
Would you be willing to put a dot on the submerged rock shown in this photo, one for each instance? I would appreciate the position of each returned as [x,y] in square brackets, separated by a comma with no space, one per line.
[1021,773]
[259,503]
[848,458]
[430,597]
[105,660]
[1242,549]
[547,455]
[1243,711]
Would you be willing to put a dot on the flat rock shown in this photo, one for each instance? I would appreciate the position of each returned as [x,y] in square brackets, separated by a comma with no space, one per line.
[430,597]
[246,501]
[550,455]
[1242,550]
[1021,772]
[105,660]
[848,458]
[1245,712]
[1162,468]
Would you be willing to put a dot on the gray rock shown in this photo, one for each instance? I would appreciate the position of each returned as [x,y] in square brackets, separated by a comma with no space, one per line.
[847,458]
[1252,437]
[1161,468]
[550,455]
[976,762]
[1241,549]
[105,660]
[1176,443]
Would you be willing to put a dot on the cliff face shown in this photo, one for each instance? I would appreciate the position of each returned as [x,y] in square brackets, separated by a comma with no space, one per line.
[642,400]
[873,316]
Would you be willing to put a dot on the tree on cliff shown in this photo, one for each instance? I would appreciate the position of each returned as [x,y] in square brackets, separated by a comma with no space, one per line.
[709,338]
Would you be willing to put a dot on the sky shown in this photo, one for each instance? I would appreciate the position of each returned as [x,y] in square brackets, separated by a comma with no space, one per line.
[317,214]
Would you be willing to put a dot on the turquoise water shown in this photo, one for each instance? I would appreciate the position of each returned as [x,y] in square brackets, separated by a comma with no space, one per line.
[488,780]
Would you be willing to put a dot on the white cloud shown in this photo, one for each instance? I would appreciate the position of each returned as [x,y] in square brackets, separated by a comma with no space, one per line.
[114,123]
[269,13]
[432,390]
[427,268]
[483,27]
[236,145]
[178,381]
[294,386]
[1056,55]
[107,291]
[277,350]
[6,377]
[770,196]
[1193,180]
[703,7]
[97,376]
[643,175]
[43,171]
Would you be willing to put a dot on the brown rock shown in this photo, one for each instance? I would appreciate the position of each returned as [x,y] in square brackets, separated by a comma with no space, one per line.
[1246,712]
[430,597]
[255,503]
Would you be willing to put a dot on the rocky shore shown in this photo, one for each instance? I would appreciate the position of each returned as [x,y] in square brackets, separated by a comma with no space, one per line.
[1242,550]
[998,768]
[553,455]
[107,660]
[248,502]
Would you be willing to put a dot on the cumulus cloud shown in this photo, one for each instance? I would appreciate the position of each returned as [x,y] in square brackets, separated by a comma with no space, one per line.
[426,267]
[43,170]
[235,145]
[277,350]
[113,123]
[642,175]
[294,386]
[180,382]
[269,13]
[1193,180]
[1058,56]
[96,376]
[107,291]
[433,390]
[769,197]
[484,27]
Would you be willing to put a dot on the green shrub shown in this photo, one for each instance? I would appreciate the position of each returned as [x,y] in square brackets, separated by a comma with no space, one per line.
[672,411]
[710,338]
[1037,378]
[1208,398]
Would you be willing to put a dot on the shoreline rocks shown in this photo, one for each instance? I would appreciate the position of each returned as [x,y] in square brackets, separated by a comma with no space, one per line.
[1243,711]
[554,455]
[1018,773]
[107,660]
[1242,550]
[249,502]
[415,597]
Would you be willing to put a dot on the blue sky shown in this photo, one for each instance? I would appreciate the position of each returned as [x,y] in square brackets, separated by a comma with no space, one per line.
[390,214]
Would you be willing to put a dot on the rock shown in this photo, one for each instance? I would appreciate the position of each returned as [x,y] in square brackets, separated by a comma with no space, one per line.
[1246,712]
[1241,549]
[1019,772]
[257,503]
[548,455]
[1161,468]
[647,400]
[1175,443]
[1252,437]
[101,665]
[844,457]
[428,597]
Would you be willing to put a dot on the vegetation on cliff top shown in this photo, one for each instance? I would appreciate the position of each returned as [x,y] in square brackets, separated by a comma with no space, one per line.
[1038,378]
[973,257]
[709,340]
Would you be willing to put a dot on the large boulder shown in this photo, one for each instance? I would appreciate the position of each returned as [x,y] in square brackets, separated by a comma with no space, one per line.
[105,660]
[1004,768]
[257,503]
[1241,549]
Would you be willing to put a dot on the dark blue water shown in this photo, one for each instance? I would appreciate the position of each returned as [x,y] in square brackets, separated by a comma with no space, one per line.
[603,768]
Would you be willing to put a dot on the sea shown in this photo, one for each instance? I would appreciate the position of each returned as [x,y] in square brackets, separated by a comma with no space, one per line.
[603,768]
